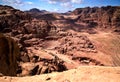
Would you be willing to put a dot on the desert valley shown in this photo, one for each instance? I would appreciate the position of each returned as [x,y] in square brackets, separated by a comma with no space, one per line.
[82,45]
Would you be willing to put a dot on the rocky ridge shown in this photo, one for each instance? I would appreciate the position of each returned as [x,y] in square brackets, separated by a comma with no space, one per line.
[104,17]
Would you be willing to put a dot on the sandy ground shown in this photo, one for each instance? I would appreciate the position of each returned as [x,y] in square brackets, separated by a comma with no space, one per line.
[81,74]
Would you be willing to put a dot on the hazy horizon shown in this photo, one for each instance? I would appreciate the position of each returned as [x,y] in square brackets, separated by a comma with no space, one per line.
[57,5]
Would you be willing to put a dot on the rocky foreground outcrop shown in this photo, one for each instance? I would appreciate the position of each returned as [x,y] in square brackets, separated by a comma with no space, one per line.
[81,74]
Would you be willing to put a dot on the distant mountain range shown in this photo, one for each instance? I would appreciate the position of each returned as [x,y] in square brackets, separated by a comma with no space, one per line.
[35,10]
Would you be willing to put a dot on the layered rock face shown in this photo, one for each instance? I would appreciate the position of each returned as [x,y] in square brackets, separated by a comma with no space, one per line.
[104,17]
[9,54]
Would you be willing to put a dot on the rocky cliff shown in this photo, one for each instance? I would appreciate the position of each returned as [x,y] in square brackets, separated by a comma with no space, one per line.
[101,17]
[9,55]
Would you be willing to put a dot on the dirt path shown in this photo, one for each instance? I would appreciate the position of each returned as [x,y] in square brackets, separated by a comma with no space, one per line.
[63,57]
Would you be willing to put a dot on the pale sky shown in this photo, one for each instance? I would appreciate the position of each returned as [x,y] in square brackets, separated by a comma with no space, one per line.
[57,5]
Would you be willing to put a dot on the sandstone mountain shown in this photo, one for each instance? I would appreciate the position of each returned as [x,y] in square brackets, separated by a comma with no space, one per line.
[35,10]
